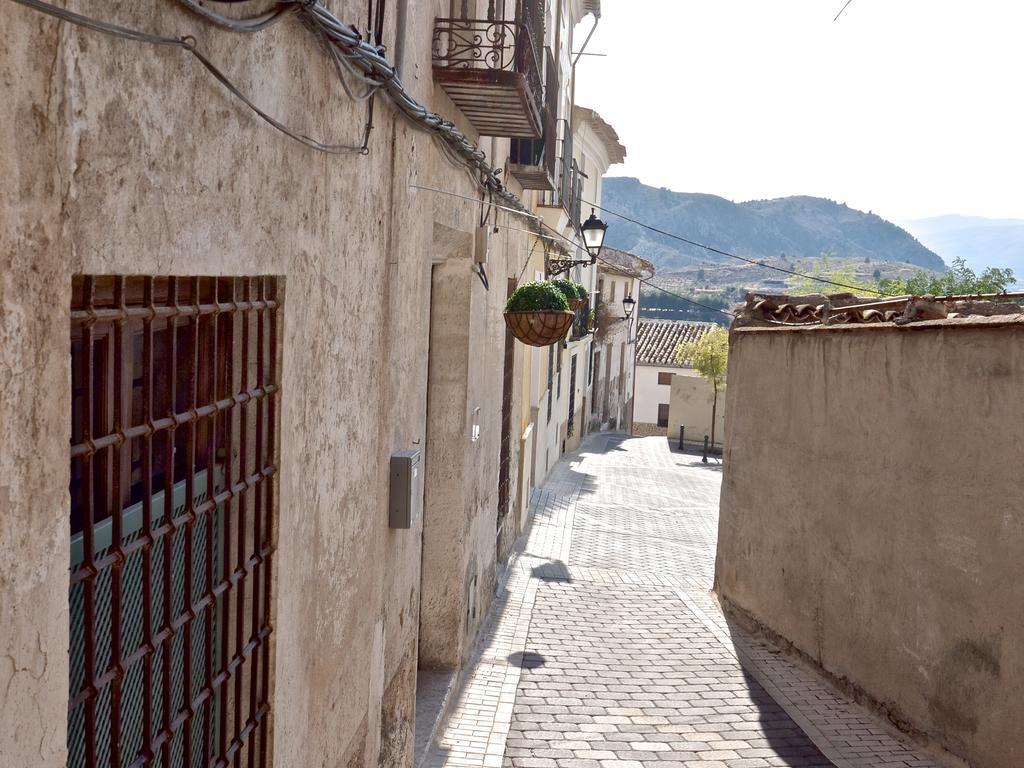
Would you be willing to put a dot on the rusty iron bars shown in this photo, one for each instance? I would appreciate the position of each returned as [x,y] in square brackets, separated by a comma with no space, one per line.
[175,385]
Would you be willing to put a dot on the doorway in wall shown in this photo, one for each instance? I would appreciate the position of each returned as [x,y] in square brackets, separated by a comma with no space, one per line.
[571,426]
[507,524]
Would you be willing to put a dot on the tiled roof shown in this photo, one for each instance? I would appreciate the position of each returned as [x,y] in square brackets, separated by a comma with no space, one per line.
[656,340]
[847,309]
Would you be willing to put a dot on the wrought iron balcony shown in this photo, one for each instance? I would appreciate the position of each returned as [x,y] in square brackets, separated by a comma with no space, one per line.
[532,162]
[491,69]
[568,194]
[581,325]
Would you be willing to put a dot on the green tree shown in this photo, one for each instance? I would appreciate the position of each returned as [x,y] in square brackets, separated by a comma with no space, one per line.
[959,279]
[709,356]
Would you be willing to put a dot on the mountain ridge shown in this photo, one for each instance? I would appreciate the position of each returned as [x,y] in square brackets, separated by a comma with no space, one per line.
[801,226]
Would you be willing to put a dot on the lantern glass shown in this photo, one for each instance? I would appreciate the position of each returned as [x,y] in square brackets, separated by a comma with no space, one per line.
[628,304]
[593,235]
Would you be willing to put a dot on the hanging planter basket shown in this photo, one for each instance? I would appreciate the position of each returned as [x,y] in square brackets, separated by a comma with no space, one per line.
[540,328]
[575,304]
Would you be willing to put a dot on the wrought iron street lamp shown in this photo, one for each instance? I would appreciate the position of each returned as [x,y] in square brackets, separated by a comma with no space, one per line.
[593,235]
[593,231]
[628,305]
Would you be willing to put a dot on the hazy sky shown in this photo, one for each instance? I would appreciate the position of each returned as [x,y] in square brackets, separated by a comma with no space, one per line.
[910,108]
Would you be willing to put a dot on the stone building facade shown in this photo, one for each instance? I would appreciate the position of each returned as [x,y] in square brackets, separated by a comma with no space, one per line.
[656,369]
[210,312]
[614,351]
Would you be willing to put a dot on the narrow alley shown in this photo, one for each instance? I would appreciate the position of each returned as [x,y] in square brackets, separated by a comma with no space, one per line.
[605,648]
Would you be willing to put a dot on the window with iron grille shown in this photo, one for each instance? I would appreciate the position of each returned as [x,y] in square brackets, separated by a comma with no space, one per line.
[174,440]
[663,415]
[665,378]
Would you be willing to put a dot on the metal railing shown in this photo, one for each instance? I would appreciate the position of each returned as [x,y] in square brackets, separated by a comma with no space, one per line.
[542,152]
[569,194]
[489,44]
[581,325]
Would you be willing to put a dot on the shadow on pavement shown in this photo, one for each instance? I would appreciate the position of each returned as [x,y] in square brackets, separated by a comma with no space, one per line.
[526,660]
[782,733]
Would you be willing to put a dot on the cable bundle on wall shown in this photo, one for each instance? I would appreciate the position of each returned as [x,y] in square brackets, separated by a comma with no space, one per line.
[361,60]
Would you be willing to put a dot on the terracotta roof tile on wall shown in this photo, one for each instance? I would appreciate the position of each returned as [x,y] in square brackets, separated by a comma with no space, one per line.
[656,340]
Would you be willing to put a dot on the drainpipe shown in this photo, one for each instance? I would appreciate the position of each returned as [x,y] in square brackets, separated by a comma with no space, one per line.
[636,314]
[401,14]
[572,90]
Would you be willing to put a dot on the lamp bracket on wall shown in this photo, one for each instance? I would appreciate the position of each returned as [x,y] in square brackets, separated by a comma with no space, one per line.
[559,266]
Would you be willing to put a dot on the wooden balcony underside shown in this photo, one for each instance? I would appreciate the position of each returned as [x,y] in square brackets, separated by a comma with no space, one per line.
[532,176]
[496,102]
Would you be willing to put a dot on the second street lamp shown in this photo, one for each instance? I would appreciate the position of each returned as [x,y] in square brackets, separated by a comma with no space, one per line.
[628,304]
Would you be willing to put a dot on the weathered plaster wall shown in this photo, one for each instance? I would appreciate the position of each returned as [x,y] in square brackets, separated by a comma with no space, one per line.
[870,515]
[690,405]
[613,383]
[650,394]
[124,158]
[463,450]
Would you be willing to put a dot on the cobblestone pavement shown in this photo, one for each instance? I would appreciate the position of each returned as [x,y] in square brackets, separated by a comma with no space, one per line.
[605,649]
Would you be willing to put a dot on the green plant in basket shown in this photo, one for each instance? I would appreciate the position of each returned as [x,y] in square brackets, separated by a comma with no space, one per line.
[568,288]
[537,297]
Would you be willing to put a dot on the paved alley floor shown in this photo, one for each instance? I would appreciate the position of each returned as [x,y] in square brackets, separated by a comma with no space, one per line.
[605,648]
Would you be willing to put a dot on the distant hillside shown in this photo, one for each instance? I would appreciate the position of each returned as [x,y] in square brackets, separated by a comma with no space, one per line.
[797,227]
[980,242]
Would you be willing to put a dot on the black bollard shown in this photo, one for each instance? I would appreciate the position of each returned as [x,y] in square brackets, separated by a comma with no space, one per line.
[682,431]
[705,459]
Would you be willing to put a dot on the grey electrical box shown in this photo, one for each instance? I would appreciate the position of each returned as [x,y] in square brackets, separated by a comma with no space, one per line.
[482,245]
[406,497]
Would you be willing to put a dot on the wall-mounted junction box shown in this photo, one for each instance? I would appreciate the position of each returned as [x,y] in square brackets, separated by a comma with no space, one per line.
[405,504]
[482,245]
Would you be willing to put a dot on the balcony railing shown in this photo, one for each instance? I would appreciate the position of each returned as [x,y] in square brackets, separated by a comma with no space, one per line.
[581,325]
[532,161]
[569,194]
[491,69]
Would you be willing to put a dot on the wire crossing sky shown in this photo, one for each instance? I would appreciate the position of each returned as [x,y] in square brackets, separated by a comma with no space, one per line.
[908,108]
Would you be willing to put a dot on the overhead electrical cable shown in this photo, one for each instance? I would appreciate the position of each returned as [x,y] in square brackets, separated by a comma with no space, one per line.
[556,236]
[720,252]
[365,61]
[650,284]
[847,5]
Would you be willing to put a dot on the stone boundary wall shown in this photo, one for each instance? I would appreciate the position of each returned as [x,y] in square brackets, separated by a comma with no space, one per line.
[870,516]
[641,429]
